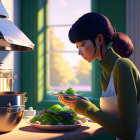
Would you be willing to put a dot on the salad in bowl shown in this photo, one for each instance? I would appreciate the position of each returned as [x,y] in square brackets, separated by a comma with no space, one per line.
[57,118]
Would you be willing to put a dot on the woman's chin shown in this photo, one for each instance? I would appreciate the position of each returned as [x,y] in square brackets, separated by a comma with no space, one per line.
[89,61]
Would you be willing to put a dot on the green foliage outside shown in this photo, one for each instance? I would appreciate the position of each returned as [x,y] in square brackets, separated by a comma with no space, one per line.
[60,70]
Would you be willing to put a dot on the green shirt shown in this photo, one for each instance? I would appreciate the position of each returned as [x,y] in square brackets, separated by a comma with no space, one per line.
[123,72]
[127,87]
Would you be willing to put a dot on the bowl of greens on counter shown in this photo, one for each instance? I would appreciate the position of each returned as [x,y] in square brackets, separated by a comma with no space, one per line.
[57,118]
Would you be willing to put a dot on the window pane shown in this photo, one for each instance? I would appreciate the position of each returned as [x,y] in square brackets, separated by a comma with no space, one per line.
[64,66]
[58,37]
[67,11]
[68,70]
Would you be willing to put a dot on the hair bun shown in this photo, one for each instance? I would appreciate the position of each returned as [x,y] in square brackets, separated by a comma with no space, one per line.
[114,37]
[122,44]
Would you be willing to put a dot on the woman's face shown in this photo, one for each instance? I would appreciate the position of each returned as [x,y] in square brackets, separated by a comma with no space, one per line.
[86,50]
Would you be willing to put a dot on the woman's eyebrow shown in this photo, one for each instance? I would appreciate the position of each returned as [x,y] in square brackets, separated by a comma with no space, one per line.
[80,44]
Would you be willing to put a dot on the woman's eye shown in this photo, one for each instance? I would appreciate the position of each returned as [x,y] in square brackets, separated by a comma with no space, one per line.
[82,45]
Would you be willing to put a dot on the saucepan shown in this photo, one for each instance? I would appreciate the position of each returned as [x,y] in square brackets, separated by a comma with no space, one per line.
[12,106]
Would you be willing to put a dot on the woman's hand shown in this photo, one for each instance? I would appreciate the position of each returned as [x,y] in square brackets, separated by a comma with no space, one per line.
[71,101]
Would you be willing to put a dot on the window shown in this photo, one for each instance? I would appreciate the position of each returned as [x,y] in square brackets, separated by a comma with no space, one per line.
[65,68]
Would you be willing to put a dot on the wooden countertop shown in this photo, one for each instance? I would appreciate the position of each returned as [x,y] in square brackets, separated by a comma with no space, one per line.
[25,131]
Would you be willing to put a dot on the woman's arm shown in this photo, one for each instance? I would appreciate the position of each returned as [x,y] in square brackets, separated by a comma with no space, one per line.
[125,81]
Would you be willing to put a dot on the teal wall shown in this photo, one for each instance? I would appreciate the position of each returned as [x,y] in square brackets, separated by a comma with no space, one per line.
[29,59]
[115,10]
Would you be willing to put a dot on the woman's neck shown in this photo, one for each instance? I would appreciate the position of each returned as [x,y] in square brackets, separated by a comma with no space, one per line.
[104,51]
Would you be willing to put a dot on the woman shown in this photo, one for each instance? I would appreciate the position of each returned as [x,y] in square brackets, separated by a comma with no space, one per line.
[120,108]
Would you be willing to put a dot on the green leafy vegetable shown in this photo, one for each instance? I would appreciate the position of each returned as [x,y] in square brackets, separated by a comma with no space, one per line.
[70,91]
[56,108]
[57,114]
[61,92]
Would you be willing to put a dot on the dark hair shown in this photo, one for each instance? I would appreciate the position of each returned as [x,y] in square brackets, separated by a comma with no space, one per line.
[91,24]
[122,44]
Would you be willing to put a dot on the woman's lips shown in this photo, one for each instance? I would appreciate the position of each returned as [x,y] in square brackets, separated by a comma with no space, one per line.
[85,58]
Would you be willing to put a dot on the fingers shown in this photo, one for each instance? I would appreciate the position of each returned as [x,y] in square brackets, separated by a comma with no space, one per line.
[84,98]
[68,101]
[71,98]
[60,98]
[63,100]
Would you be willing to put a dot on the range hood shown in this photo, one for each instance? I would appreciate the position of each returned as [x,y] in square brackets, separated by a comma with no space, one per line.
[11,37]
[3,12]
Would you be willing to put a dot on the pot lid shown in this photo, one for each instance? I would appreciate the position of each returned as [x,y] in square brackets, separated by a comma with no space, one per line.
[11,93]
[3,12]
[4,68]
[12,38]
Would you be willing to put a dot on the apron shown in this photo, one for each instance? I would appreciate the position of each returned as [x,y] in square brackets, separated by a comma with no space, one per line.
[108,104]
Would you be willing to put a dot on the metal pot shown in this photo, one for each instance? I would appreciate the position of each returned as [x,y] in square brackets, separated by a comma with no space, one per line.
[12,105]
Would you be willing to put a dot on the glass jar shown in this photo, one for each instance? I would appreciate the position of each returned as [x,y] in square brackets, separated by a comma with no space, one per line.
[6,79]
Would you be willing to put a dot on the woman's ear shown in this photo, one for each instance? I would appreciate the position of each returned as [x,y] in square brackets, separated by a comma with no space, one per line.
[100,39]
